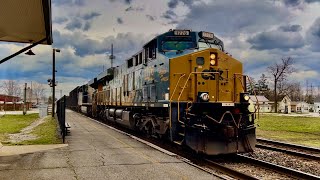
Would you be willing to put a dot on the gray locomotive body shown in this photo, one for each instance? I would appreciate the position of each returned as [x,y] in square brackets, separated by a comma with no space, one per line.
[181,85]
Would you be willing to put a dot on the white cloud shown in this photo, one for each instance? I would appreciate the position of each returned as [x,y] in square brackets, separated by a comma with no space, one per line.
[84,52]
[304,75]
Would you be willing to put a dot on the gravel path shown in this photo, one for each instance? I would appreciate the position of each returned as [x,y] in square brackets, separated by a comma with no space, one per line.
[256,171]
[290,161]
[25,134]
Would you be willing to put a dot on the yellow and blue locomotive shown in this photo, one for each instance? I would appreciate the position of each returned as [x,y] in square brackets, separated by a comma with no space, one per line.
[183,86]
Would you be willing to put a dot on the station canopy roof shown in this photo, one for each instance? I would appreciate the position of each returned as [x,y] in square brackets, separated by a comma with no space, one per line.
[25,21]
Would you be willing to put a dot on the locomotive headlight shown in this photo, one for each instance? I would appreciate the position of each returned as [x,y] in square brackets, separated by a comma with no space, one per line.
[212,56]
[213,59]
[212,62]
[246,97]
[204,96]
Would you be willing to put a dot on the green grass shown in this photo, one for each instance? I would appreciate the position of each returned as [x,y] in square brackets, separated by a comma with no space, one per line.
[10,124]
[299,130]
[46,132]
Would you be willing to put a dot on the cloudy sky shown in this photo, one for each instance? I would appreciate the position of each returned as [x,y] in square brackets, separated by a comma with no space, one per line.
[257,32]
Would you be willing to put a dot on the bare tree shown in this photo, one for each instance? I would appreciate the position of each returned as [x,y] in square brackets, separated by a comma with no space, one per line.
[38,91]
[250,85]
[11,88]
[279,72]
[296,92]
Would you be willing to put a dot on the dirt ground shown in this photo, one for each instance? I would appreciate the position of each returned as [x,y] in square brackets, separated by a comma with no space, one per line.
[25,134]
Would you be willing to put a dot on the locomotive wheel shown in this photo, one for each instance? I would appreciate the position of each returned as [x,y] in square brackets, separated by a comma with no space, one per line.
[150,130]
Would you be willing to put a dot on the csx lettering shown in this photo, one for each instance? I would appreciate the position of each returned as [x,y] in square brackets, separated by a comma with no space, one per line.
[210,74]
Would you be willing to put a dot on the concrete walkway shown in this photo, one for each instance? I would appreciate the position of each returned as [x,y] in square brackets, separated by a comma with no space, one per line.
[94,151]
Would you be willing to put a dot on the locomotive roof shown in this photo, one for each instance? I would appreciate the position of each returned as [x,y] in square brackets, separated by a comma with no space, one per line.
[186,32]
[101,77]
[169,32]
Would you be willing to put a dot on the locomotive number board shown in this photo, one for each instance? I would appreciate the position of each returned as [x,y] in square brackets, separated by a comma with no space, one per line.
[181,32]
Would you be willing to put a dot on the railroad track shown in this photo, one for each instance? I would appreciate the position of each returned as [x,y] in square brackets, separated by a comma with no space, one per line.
[214,168]
[281,169]
[231,172]
[301,151]
[228,173]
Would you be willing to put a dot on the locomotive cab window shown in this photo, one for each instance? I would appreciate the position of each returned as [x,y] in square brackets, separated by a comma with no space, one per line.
[210,43]
[140,58]
[136,59]
[151,50]
[205,45]
[130,63]
[178,43]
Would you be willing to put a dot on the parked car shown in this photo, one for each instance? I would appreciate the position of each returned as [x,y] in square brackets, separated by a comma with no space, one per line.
[34,106]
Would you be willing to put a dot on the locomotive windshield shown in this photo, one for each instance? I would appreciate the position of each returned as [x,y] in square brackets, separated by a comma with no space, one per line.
[205,45]
[178,43]
[180,40]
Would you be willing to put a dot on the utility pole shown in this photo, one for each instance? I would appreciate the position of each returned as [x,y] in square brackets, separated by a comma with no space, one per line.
[112,57]
[25,99]
[31,93]
[307,93]
[60,93]
[53,78]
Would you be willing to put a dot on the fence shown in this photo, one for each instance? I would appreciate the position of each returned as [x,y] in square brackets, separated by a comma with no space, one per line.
[9,106]
[61,116]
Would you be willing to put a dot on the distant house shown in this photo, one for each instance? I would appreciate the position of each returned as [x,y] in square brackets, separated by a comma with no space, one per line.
[261,103]
[284,106]
[299,107]
[316,104]
[7,98]
[11,103]
[316,107]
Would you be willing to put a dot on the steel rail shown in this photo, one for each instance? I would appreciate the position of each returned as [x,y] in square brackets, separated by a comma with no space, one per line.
[157,147]
[295,153]
[288,145]
[278,168]
[229,171]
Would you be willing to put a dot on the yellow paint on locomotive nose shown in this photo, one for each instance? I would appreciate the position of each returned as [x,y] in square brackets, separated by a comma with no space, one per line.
[223,82]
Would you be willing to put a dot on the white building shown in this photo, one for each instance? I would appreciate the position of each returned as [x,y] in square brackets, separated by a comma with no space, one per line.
[284,106]
[299,107]
[261,103]
[316,105]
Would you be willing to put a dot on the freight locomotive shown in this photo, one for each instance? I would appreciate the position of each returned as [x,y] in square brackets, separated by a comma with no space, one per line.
[183,86]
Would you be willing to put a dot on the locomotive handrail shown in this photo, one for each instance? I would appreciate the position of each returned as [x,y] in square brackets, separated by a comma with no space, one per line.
[182,75]
[222,118]
[185,84]
[239,74]
[255,95]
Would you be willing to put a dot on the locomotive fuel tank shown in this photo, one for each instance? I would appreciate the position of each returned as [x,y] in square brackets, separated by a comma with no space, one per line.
[111,114]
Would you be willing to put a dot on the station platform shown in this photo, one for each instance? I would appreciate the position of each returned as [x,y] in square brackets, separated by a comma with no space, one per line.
[96,151]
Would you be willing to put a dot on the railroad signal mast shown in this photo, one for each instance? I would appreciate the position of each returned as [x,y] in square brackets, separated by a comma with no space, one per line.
[112,57]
